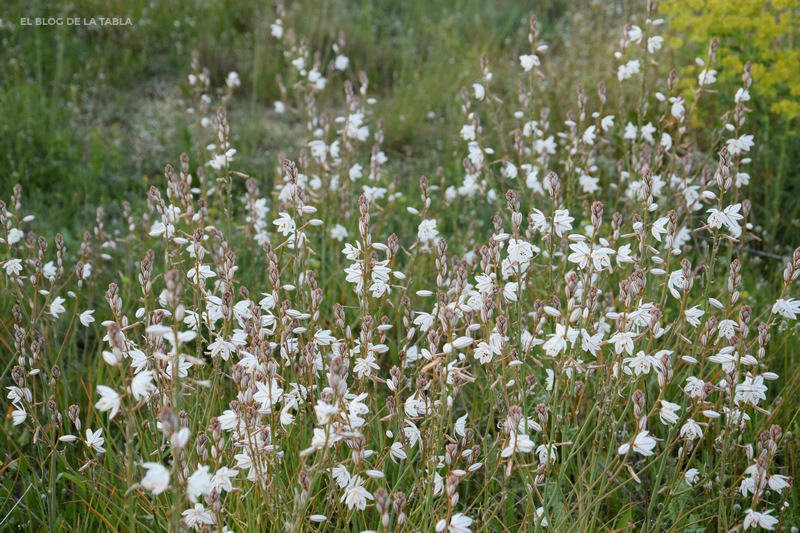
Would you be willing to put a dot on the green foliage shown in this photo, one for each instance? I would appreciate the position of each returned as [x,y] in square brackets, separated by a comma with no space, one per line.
[763,32]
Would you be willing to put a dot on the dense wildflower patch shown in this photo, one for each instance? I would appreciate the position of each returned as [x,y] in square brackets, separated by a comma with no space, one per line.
[352,351]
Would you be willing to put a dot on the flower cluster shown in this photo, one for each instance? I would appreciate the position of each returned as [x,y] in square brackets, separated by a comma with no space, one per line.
[339,353]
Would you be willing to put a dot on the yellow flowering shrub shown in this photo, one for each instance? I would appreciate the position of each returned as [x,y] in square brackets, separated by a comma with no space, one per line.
[764,32]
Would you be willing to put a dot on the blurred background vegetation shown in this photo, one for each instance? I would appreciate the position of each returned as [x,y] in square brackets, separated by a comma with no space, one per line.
[90,114]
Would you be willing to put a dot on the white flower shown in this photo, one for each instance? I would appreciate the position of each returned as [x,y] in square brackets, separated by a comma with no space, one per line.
[755,519]
[647,132]
[276,29]
[339,233]
[324,412]
[13,267]
[468,132]
[643,444]
[547,453]
[751,390]
[56,306]
[541,517]
[199,275]
[666,141]
[582,255]
[691,430]
[218,162]
[475,153]
[233,80]
[557,342]
[198,484]
[197,516]
[86,317]
[285,223]
[669,413]
[675,283]
[623,341]
[355,495]
[460,427]
[728,217]
[545,146]
[518,443]
[787,308]
[374,193]
[627,70]
[562,221]
[607,123]
[156,480]
[528,61]
[778,483]
[654,44]
[485,351]
[510,171]
[356,172]
[221,480]
[180,438]
[740,145]
[15,235]
[109,400]
[640,364]
[589,184]
[95,440]
[480,92]
[742,179]
[427,231]
[591,343]
[268,395]
[727,328]
[520,252]
[460,523]
[341,476]
[341,62]
[707,77]
[692,476]
[18,415]
[589,135]
[510,291]
[678,110]
[221,348]
[693,316]
[624,254]
[695,387]
[316,79]
[142,385]
[397,453]
[742,95]
[364,366]
[549,380]
[659,228]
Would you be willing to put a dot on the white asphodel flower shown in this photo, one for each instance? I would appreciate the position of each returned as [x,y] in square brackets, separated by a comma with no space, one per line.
[763,520]
[642,444]
[156,480]
[109,400]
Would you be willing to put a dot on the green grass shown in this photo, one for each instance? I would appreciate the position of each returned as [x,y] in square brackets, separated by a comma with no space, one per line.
[73,99]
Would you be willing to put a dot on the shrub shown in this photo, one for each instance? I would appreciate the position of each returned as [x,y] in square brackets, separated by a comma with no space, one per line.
[760,32]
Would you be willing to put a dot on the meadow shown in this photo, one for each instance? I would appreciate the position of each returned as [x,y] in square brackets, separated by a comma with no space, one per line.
[400,266]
